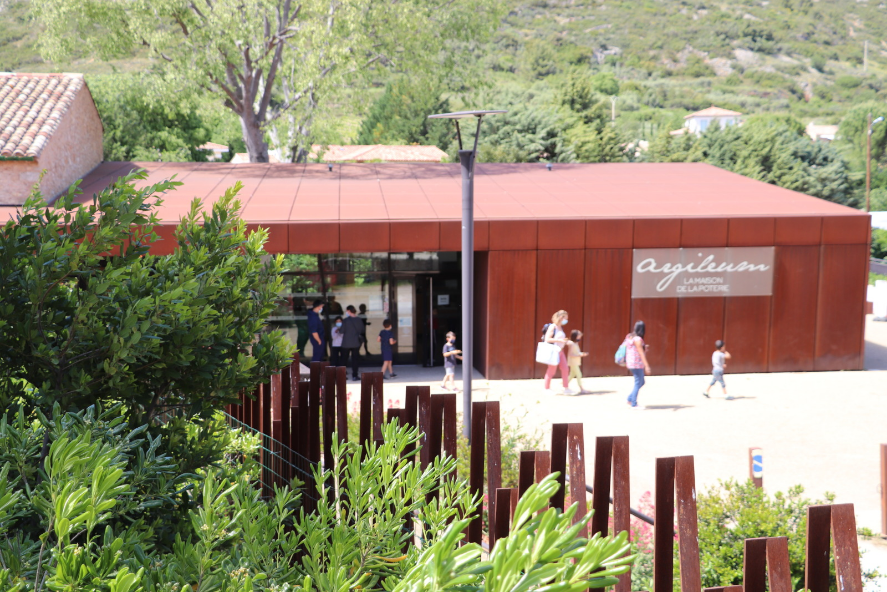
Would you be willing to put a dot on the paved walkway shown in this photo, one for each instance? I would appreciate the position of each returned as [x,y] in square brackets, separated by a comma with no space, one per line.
[818,429]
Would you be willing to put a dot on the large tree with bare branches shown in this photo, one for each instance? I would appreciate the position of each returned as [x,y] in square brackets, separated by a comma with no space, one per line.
[272,62]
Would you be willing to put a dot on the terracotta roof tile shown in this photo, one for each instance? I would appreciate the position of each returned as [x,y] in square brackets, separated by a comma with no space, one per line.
[714,112]
[31,107]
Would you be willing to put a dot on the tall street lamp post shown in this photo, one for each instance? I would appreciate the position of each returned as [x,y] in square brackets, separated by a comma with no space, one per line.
[868,159]
[466,160]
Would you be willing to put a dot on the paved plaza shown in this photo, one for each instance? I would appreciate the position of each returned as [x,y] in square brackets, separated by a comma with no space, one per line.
[821,430]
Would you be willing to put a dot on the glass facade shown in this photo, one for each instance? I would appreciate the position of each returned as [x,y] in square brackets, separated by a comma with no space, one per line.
[404,288]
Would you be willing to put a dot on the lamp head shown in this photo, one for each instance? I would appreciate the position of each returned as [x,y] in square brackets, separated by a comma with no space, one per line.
[878,120]
[457,115]
[464,114]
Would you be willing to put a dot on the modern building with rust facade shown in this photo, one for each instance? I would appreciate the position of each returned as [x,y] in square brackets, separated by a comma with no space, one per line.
[779,275]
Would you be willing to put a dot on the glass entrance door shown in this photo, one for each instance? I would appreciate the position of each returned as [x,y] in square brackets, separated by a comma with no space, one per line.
[381,286]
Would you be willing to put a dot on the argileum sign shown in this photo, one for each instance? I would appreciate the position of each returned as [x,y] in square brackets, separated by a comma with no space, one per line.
[686,273]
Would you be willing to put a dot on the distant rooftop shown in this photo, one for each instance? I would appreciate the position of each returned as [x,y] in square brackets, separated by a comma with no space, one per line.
[31,107]
[214,146]
[382,153]
[714,112]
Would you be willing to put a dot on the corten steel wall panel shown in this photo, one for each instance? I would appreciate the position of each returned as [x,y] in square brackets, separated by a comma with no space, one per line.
[840,317]
[513,235]
[700,323]
[363,237]
[704,232]
[651,233]
[751,232]
[481,308]
[609,234]
[561,234]
[793,312]
[314,237]
[607,315]
[845,230]
[451,235]
[559,286]
[747,333]
[660,315]
[415,236]
[802,230]
[278,237]
[511,288]
[166,242]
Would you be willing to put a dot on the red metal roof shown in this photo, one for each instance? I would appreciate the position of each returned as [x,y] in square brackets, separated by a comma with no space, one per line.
[296,193]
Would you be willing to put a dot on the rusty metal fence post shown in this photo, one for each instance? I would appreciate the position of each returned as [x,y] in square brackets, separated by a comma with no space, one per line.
[485,438]
[568,453]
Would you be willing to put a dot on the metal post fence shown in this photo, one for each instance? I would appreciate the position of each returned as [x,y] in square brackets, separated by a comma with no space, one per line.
[295,420]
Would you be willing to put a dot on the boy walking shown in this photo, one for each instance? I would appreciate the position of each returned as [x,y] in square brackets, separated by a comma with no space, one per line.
[386,338]
[450,355]
[718,364]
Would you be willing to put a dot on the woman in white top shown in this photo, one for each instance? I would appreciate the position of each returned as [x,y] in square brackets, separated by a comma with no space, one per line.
[555,334]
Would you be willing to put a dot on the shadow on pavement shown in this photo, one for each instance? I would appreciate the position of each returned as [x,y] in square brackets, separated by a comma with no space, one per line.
[586,393]
[667,407]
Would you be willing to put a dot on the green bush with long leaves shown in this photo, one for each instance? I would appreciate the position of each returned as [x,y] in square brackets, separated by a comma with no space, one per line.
[78,521]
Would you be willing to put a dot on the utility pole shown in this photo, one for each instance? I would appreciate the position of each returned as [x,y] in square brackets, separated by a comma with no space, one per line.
[865,56]
[868,159]
[613,109]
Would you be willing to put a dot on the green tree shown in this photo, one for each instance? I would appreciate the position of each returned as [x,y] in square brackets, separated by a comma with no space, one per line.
[526,133]
[538,59]
[595,143]
[87,316]
[853,129]
[773,149]
[605,83]
[138,126]
[269,61]
[879,243]
[400,116]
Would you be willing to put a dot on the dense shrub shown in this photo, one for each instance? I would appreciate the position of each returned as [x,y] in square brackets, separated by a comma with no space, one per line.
[82,521]
[106,322]
[729,513]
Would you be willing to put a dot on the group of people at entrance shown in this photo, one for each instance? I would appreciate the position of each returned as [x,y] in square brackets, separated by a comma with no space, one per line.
[348,334]
[556,351]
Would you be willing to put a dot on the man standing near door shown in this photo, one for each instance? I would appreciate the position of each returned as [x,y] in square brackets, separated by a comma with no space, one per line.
[352,328]
[317,332]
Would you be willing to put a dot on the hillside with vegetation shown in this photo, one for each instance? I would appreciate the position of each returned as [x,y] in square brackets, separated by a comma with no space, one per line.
[598,80]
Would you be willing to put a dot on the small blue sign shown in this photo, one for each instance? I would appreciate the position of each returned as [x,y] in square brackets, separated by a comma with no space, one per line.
[757,464]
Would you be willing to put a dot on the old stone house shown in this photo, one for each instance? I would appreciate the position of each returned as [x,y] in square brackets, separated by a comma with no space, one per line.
[47,122]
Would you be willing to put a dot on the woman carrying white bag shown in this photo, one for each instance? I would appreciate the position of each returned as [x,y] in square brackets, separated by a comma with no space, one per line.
[550,351]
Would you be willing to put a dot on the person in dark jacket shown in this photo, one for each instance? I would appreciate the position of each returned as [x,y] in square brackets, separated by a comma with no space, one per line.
[352,329]
[316,332]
